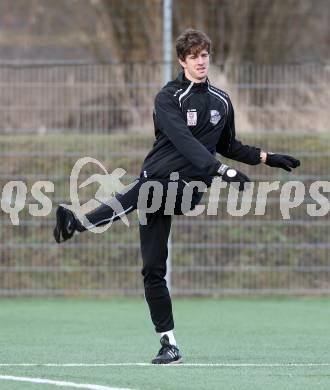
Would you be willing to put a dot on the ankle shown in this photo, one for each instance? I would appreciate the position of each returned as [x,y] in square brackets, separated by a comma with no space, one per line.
[170,336]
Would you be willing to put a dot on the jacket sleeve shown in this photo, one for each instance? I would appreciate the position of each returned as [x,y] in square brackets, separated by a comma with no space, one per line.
[232,148]
[170,121]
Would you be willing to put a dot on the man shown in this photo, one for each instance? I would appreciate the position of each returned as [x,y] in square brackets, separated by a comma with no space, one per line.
[193,120]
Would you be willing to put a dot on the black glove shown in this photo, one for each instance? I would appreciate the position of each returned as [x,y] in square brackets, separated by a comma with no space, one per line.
[282,161]
[232,176]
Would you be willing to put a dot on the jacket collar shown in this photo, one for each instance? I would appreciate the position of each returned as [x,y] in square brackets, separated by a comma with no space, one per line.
[184,81]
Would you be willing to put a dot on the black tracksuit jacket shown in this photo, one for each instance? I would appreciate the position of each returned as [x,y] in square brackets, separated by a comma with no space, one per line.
[192,122]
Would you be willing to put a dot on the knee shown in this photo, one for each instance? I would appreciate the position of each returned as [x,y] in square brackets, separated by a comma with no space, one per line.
[153,274]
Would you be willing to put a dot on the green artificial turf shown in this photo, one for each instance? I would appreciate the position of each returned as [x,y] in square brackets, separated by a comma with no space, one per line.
[224,331]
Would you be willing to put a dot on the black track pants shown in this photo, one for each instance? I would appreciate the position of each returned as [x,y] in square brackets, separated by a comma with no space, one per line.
[153,238]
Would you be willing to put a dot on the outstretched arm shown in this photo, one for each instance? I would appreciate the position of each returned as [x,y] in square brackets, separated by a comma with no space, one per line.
[232,148]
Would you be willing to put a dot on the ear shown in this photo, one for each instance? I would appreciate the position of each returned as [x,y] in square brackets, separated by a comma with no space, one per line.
[182,63]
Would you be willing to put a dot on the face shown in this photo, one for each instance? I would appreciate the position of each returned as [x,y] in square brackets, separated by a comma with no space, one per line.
[196,66]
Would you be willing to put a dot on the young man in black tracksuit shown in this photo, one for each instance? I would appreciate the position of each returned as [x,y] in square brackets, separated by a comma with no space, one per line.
[193,121]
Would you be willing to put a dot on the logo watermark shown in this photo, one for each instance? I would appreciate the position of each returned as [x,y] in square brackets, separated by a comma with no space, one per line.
[150,195]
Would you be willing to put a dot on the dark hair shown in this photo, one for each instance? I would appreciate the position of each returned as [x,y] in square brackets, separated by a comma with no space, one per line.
[192,42]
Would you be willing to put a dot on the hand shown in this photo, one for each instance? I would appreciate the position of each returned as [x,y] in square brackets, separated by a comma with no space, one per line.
[233,177]
[281,161]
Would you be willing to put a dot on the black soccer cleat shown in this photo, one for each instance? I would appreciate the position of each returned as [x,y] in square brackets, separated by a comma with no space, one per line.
[65,224]
[168,354]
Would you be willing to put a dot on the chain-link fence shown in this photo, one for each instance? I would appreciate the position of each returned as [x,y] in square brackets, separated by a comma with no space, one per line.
[52,114]
[89,97]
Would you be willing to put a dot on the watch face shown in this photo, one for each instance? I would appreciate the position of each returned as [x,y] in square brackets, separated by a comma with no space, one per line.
[231,172]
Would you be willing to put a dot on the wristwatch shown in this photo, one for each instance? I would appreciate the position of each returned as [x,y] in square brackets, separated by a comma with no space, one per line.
[224,169]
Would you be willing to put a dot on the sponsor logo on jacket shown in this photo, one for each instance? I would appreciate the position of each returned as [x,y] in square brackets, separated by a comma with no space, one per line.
[215,117]
[192,117]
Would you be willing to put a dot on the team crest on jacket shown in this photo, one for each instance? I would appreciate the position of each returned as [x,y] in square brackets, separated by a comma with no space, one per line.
[192,117]
[215,117]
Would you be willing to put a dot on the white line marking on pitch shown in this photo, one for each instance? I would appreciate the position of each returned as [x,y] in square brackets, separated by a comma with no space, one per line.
[58,383]
[233,365]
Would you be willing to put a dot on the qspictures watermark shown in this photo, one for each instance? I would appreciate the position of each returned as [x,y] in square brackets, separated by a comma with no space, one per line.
[292,194]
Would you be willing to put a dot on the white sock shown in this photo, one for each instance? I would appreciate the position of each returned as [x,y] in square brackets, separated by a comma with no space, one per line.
[170,335]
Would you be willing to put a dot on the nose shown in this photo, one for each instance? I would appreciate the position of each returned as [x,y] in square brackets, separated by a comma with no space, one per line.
[200,60]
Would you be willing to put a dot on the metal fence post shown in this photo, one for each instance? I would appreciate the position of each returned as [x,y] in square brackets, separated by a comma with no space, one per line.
[167,44]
